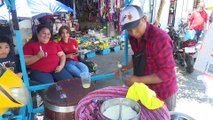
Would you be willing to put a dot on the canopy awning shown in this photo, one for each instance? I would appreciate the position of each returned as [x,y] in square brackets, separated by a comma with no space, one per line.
[34,8]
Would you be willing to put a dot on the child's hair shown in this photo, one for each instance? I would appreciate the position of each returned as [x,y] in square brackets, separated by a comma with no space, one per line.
[4,39]
[64,27]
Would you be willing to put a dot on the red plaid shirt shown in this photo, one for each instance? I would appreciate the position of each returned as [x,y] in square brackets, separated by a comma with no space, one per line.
[159,59]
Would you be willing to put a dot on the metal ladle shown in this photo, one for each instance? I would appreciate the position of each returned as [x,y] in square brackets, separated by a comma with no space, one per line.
[120,109]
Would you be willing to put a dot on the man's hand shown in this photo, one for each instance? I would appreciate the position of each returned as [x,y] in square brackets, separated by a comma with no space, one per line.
[131,80]
[123,70]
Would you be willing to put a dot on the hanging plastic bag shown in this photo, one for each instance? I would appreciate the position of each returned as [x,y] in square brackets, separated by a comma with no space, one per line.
[190,34]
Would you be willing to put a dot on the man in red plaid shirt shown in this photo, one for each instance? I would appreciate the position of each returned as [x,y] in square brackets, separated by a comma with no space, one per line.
[153,63]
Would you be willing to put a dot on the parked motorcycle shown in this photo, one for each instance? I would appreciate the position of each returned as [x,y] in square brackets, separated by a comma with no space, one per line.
[185,49]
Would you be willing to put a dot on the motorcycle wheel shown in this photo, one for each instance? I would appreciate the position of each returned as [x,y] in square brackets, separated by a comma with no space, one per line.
[189,69]
[189,63]
[179,57]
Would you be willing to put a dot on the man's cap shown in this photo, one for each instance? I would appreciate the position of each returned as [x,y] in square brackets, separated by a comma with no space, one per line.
[130,17]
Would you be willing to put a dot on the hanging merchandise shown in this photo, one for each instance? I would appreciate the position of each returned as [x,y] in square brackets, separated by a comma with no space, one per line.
[93,10]
[99,9]
[89,6]
[115,16]
[110,29]
[111,10]
[102,12]
[119,6]
[118,3]
[107,8]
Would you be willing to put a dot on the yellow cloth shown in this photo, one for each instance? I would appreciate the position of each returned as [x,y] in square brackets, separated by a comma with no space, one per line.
[7,81]
[139,91]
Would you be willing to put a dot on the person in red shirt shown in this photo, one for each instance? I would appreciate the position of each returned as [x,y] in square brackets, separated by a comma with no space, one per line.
[70,48]
[45,58]
[153,63]
[198,19]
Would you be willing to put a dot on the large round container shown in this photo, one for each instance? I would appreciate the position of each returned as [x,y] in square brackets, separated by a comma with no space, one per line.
[180,116]
[89,107]
[62,97]
[121,104]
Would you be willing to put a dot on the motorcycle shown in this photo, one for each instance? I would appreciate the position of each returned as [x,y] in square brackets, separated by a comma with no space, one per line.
[184,49]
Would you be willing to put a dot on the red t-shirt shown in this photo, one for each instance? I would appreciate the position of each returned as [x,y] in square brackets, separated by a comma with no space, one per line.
[70,47]
[197,20]
[45,64]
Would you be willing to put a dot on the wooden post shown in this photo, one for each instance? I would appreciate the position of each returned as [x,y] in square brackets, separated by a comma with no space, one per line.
[157,20]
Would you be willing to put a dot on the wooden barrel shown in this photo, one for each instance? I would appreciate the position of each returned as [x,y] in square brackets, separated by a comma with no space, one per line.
[62,97]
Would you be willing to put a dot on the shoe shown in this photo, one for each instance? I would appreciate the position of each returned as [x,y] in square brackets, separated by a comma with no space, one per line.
[39,100]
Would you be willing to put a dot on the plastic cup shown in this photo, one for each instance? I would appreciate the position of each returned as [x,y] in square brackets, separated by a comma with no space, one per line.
[39,116]
[85,79]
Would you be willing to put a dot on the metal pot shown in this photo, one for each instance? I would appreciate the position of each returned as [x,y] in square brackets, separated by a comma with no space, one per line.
[180,116]
[121,102]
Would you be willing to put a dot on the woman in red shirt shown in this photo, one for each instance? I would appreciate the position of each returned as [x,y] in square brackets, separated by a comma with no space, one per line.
[70,48]
[45,58]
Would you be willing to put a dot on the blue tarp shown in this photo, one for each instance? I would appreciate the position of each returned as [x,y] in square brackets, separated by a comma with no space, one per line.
[34,8]
[4,14]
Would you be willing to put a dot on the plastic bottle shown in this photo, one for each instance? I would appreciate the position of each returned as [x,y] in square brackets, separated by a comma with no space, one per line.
[120,72]
[39,101]
[122,76]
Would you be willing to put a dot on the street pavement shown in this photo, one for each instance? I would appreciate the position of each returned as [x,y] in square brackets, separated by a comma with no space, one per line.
[195,94]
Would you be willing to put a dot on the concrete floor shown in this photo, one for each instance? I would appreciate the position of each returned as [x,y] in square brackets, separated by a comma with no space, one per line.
[107,64]
[194,97]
